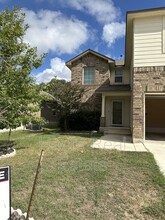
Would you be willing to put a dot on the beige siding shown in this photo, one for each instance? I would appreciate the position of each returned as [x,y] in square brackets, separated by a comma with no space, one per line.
[126,110]
[148,42]
[126,77]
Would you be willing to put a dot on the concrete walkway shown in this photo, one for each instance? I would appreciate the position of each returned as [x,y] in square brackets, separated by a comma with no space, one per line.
[123,143]
[118,142]
[157,148]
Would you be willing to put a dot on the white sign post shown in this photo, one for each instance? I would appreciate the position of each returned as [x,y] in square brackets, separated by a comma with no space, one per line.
[5,199]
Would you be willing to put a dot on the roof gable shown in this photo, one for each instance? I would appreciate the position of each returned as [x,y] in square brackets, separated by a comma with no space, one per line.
[69,63]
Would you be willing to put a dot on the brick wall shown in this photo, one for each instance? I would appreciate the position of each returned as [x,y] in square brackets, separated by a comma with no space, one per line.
[90,98]
[145,79]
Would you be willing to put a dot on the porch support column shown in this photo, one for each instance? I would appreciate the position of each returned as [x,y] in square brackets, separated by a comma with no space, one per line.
[102,119]
[103,106]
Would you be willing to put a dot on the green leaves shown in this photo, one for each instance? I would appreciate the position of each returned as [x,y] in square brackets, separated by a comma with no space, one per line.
[17,59]
[62,97]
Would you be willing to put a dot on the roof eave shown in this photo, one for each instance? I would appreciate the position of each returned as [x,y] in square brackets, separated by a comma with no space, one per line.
[146,12]
[69,62]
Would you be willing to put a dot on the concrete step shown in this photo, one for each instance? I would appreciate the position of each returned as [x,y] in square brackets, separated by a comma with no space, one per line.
[116,130]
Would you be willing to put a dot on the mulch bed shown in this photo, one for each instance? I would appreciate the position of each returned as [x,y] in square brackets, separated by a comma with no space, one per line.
[6,148]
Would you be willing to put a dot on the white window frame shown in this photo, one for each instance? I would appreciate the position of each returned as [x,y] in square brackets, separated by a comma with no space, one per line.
[163,34]
[83,78]
[120,75]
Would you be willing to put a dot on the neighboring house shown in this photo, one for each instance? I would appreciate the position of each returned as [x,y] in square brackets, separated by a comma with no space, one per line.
[130,93]
[49,115]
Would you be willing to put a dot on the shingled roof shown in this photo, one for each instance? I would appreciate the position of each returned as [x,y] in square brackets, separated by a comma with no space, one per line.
[69,62]
[114,88]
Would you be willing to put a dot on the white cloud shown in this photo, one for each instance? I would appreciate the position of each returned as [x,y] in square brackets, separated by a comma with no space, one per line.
[52,31]
[113,31]
[57,69]
[103,10]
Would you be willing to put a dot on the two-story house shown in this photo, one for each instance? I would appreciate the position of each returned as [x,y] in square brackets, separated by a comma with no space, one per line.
[129,93]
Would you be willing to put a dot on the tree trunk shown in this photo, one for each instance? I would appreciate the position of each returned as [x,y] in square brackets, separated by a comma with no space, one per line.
[65,124]
[9,136]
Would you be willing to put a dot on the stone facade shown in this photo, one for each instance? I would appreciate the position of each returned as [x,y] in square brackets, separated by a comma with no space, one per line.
[102,72]
[102,121]
[145,80]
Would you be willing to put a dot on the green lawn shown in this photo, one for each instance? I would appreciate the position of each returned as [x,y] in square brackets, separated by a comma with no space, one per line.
[78,182]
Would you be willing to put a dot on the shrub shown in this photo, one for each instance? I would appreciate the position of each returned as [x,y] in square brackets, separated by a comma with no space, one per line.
[82,120]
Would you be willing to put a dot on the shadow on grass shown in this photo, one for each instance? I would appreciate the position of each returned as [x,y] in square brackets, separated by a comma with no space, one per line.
[87,134]
[5,144]
[50,131]
[43,131]
[20,148]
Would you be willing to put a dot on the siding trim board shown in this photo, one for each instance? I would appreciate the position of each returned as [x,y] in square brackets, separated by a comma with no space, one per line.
[151,36]
[163,35]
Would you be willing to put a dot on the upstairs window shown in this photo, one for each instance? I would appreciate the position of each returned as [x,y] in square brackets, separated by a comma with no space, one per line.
[118,76]
[89,75]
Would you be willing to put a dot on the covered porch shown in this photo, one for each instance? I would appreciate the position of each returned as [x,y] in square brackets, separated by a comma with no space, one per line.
[116,109]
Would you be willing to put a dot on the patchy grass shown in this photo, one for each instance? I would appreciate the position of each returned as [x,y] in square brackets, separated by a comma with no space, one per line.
[78,182]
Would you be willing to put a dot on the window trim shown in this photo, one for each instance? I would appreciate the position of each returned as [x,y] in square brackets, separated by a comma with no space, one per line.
[163,34]
[84,77]
[121,75]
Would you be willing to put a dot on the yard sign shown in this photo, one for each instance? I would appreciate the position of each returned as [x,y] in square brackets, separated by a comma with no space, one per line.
[5,206]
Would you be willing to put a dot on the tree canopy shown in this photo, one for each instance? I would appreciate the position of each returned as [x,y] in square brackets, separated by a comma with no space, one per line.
[19,95]
[63,98]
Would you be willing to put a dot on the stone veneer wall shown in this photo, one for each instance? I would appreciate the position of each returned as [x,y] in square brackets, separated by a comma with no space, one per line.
[102,72]
[145,79]
[102,121]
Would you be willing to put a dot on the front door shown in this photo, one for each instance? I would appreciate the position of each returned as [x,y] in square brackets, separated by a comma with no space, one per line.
[117,113]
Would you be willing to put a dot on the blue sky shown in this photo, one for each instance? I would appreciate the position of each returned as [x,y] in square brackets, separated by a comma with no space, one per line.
[65,28]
